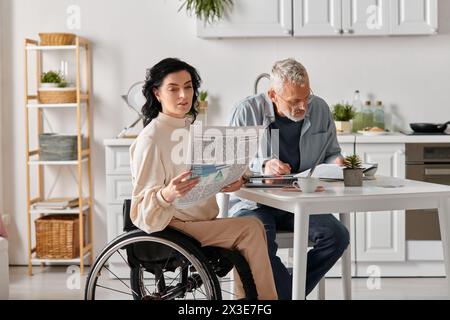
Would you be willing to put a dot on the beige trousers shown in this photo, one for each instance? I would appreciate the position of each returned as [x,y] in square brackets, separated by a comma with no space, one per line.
[245,234]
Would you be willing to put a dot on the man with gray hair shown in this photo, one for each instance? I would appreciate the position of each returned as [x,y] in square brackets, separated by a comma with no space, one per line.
[299,126]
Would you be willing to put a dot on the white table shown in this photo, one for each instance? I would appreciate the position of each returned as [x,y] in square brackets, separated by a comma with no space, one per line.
[384,193]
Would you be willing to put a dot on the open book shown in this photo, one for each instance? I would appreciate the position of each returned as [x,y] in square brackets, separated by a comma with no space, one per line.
[332,171]
[325,171]
[219,156]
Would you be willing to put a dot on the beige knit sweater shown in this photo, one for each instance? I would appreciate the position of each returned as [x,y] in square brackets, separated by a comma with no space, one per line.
[152,168]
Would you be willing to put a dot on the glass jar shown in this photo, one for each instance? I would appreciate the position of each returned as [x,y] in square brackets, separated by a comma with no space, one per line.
[378,115]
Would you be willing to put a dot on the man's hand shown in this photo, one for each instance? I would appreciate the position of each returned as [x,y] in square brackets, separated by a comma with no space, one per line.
[339,160]
[276,167]
[235,186]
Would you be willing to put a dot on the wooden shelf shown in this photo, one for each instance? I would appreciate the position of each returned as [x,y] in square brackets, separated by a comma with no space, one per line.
[59,211]
[35,260]
[35,168]
[32,47]
[56,163]
[53,105]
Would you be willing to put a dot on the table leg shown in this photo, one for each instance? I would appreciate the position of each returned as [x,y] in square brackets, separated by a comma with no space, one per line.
[346,261]
[301,226]
[444,223]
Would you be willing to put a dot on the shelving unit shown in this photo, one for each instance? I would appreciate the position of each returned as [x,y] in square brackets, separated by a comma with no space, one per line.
[83,162]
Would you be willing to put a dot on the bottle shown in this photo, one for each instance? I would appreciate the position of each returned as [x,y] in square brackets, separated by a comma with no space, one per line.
[357,107]
[367,116]
[378,115]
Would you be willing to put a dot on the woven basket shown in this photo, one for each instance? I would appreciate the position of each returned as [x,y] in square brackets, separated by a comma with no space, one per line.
[57,39]
[57,95]
[57,237]
[58,147]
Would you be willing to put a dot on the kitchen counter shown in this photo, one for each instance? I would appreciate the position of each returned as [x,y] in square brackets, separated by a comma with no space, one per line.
[395,137]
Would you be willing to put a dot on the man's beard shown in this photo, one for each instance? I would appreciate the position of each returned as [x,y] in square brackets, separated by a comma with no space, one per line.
[295,119]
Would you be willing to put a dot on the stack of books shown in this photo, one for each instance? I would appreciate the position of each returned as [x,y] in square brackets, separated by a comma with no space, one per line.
[57,203]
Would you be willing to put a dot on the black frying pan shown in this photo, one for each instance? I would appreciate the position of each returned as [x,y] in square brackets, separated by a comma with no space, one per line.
[428,127]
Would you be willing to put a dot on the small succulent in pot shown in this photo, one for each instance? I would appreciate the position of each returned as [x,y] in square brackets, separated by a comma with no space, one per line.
[353,172]
[53,79]
[202,102]
[342,114]
[203,95]
[54,89]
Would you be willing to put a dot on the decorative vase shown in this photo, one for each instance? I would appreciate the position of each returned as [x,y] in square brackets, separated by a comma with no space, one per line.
[353,177]
[343,127]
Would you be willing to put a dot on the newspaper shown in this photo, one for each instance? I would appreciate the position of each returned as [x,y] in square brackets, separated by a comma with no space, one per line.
[219,156]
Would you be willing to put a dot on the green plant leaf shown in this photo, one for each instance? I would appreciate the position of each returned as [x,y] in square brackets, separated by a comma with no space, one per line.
[352,162]
[203,95]
[52,77]
[207,10]
[343,112]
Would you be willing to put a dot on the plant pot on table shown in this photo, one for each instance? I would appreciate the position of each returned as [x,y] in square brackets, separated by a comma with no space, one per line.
[353,177]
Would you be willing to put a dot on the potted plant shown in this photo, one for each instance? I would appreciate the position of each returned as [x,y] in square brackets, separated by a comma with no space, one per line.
[207,10]
[342,114]
[202,103]
[353,172]
[54,89]
[52,79]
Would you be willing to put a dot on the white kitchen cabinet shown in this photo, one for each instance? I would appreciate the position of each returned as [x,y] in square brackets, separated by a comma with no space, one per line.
[315,18]
[346,148]
[381,236]
[340,17]
[365,17]
[252,18]
[414,17]
[118,188]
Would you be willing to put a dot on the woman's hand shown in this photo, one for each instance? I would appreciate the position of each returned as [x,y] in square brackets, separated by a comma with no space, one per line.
[235,186]
[179,186]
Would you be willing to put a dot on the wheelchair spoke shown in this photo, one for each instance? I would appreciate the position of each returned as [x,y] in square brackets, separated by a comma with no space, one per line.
[107,288]
[165,265]
[229,292]
[201,291]
[176,278]
[120,280]
[125,260]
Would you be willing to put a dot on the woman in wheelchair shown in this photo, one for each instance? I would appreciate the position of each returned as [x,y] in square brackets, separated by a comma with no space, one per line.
[179,253]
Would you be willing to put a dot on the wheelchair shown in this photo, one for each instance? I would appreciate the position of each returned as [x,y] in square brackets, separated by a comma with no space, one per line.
[164,265]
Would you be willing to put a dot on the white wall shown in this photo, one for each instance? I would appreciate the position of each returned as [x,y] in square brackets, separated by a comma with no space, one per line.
[1,106]
[410,74]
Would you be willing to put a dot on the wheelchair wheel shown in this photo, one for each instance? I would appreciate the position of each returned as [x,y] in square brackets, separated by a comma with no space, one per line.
[159,266]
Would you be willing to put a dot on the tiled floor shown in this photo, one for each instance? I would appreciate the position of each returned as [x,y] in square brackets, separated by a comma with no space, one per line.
[55,283]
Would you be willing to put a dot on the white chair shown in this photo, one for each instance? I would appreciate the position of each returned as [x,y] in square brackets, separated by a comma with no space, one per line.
[285,240]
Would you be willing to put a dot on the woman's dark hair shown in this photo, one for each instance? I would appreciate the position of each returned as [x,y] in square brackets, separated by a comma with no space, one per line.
[154,79]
